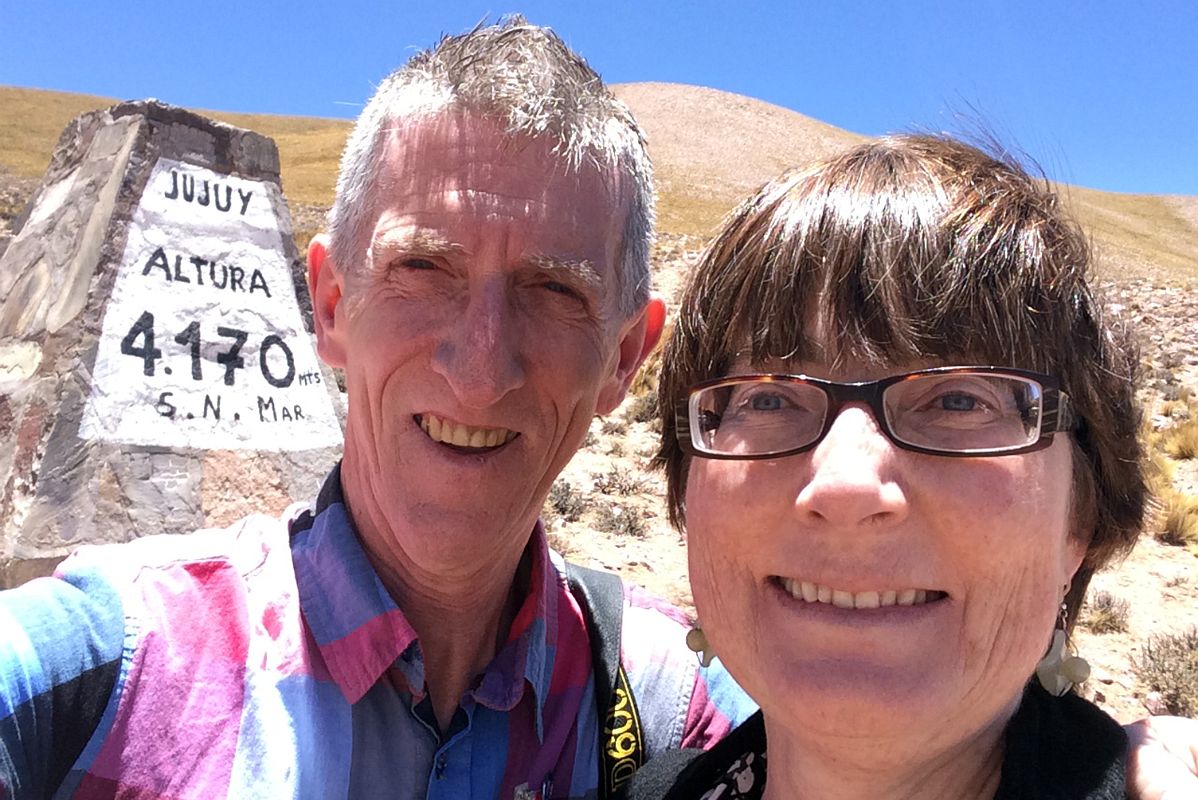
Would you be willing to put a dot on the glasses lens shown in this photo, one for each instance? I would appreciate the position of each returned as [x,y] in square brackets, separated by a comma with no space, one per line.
[756,416]
[962,412]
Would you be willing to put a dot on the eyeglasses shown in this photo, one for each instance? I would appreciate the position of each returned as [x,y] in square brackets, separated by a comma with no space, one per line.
[946,411]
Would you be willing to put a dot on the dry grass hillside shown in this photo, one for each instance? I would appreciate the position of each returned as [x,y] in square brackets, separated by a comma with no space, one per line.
[710,149]
[309,147]
[1140,235]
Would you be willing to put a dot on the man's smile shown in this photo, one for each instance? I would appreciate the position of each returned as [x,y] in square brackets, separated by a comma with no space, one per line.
[446,431]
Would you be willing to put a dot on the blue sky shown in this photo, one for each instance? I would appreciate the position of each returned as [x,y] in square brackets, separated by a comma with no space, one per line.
[1101,93]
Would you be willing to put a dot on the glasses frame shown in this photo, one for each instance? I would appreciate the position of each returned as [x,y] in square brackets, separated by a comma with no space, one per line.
[1057,414]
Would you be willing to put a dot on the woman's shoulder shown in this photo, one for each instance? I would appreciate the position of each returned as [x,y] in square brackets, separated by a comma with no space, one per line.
[1063,747]
[1056,747]
[735,766]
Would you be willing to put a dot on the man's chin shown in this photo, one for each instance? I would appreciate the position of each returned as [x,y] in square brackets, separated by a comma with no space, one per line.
[465,522]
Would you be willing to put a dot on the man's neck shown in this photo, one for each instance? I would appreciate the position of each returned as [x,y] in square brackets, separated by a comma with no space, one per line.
[459,637]
[461,614]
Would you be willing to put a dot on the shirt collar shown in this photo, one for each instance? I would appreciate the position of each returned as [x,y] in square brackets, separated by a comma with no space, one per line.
[361,633]
[526,658]
[357,626]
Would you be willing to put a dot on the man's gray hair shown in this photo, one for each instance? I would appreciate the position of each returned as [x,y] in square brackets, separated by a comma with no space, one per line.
[526,76]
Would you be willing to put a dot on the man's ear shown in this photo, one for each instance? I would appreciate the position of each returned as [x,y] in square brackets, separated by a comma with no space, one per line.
[639,336]
[325,286]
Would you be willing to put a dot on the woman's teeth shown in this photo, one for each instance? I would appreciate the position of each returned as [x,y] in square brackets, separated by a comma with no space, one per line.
[449,432]
[817,593]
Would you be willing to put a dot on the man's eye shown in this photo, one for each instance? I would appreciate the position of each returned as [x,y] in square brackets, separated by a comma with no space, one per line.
[557,287]
[418,263]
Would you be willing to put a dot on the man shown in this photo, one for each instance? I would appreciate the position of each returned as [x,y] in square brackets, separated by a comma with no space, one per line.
[485,288]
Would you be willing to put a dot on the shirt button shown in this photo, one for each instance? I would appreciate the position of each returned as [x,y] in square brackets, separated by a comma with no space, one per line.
[442,762]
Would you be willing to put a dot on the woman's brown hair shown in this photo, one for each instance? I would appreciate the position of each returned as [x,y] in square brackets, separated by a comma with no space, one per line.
[911,249]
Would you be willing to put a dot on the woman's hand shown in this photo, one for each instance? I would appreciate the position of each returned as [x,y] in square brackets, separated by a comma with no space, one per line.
[1162,758]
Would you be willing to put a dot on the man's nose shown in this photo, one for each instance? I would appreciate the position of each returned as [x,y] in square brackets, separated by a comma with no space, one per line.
[854,475]
[480,356]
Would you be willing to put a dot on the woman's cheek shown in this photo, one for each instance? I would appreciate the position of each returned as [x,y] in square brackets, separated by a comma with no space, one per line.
[719,554]
[704,554]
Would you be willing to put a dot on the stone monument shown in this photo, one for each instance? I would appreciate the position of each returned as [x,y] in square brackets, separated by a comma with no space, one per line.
[157,366]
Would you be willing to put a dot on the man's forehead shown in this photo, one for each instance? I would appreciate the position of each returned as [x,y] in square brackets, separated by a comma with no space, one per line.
[471,158]
[465,143]
[468,166]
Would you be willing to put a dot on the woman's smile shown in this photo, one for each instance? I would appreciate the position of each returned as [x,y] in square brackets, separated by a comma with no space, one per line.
[813,592]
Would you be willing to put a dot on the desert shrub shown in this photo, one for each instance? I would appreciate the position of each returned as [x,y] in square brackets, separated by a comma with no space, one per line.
[1169,664]
[613,426]
[1181,441]
[616,448]
[648,455]
[645,380]
[621,520]
[618,481]
[1158,468]
[1179,522]
[1157,462]
[591,440]
[10,209]
[303,238]
[1105,613]
[642,408]
[563,542]
[566,501]
[1158,473]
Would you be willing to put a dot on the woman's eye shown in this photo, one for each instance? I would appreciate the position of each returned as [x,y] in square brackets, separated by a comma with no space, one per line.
[765,402]
[957,401]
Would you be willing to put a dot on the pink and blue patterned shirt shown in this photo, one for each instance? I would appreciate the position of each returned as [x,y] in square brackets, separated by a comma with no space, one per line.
[266,660]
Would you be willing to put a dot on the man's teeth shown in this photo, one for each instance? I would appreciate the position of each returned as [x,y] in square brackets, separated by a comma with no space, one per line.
[449,432]
[816,593]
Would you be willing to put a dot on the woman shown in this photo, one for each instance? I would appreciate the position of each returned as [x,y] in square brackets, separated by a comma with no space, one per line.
[905,438]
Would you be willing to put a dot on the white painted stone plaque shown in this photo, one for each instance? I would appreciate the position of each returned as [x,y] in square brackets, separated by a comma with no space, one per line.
[202,343]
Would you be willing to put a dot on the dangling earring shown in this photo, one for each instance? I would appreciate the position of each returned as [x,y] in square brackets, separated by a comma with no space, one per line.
[1059,671]
[696,642]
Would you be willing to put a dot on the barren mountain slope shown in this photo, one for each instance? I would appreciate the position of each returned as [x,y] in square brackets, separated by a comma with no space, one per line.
[1139,235]
[711,148]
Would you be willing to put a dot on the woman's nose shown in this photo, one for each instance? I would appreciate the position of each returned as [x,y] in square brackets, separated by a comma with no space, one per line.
[854,475]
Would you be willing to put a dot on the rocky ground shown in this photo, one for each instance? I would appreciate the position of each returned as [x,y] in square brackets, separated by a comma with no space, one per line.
[306,220]
[607,509]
